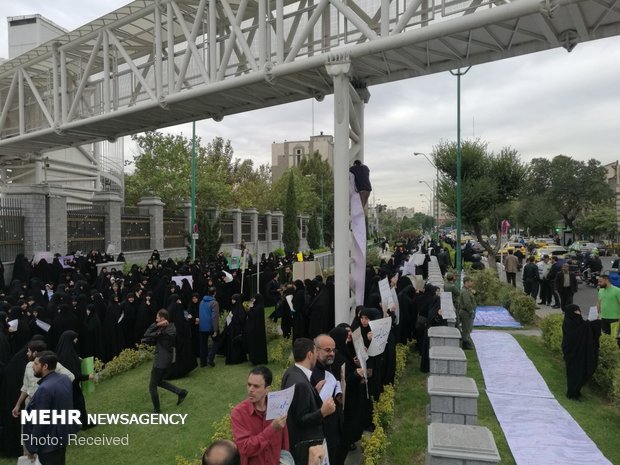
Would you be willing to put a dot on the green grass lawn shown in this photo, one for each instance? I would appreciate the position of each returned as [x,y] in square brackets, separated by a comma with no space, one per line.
[212,389]
[210,392]
[408,434]
[599,418]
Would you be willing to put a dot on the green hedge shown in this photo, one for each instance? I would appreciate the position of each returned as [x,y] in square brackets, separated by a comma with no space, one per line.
[375,444]
[607,374]
[491,291]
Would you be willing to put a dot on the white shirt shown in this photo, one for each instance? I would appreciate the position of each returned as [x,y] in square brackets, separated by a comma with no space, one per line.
[307,372]
[30,382]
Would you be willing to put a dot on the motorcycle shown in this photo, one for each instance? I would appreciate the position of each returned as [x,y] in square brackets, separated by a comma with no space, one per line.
[590,278]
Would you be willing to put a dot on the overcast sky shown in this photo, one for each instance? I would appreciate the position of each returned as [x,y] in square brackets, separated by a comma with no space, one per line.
[542,105]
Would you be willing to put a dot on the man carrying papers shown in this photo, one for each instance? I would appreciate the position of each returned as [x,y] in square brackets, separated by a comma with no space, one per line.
[259,440]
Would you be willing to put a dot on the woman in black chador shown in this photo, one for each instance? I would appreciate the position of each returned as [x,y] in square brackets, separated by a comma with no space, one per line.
[235,352]
[580,345]
[432,312]
[68,356]
[255,334]
[185,360]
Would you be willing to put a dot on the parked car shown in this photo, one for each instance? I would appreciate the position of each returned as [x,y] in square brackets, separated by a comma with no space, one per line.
[584,247]
[551,250]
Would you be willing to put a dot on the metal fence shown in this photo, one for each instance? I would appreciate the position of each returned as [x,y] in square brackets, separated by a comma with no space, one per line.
[174,232]
[135,230]
[326,260]
[85,227]
[11,229]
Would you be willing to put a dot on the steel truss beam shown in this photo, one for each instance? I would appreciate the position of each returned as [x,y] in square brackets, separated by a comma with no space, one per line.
[151,64]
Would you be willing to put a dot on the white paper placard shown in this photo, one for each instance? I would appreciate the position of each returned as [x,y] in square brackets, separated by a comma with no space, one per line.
[593,315]
[43,325]
[380,333]
[278,403]
[329,388]
[360,349]
[289,300]
[386,295]
[178,280]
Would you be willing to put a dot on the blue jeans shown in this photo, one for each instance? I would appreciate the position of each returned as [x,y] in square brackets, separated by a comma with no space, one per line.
[203,337]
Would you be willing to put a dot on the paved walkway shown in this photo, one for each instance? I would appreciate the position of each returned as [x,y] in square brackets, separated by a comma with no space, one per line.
[538,429]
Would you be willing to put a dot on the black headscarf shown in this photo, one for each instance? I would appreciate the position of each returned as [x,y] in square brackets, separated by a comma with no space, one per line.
[67,355]
[580,346]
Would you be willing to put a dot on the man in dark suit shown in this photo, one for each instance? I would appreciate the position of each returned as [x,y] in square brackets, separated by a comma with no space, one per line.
[49,441]
[306,413]
[565,286]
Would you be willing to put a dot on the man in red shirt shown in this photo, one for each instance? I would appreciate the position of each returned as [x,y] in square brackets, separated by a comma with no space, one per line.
[259,441]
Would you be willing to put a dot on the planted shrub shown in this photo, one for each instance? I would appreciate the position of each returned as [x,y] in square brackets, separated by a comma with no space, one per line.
[487,287]
[125,361]
[551,327]
[523,308]
[607,374]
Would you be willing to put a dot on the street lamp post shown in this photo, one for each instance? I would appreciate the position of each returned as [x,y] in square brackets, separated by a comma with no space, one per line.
[435,191]
[193,212]
[322,238]
[430,203]
[459,265]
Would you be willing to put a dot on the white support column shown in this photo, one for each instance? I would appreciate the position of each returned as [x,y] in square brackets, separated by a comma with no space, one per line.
[159,87]
[170,48]
[338,70]
[107,101]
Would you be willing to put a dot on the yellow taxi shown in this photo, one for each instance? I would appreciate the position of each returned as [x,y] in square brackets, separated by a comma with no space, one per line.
[551,250]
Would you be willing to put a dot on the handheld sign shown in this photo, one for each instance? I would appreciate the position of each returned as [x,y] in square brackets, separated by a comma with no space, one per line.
[178,280]
[329,388]
[360,351]
[278,403]
[386,295]
[87,367]
[43,325]
[380,333]
[593,315]
[289,301]
[325,460]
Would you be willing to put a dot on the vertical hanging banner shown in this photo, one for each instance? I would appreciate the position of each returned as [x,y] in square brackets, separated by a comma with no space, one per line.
[358,246]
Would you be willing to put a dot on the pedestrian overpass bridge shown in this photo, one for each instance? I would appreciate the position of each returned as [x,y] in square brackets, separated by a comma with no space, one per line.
[152,64]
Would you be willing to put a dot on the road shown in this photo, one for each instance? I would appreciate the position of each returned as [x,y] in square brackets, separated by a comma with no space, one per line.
[586,296]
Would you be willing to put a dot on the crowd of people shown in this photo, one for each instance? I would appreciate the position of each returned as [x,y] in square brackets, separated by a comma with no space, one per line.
[196,311]
[77,311]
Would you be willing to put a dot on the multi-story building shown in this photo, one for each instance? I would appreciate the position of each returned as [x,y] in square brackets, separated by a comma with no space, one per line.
[79,171]
[285,155]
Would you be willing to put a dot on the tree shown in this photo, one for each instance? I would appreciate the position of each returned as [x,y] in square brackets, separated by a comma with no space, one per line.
[209,235]
[321,176]
[534,213]
[163,166]
[600,222]
[570,186]
[290,233]
[490,182]
[314,232]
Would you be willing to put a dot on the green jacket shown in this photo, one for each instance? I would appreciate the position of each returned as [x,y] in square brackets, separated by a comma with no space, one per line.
[454,290]
[467,301]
